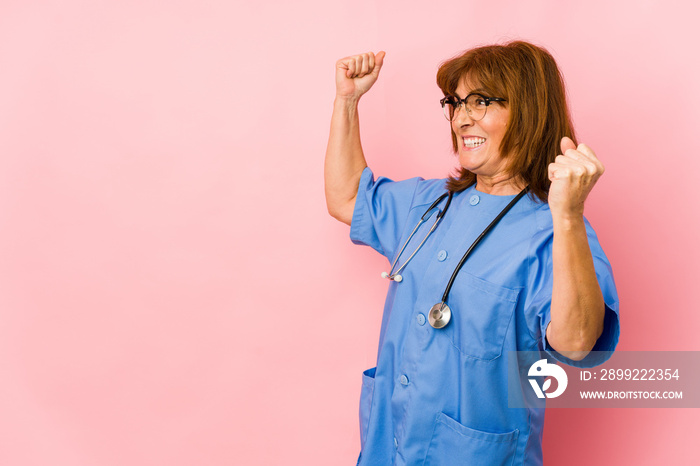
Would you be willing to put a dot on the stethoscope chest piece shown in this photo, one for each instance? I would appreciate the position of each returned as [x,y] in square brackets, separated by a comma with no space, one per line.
[439,315]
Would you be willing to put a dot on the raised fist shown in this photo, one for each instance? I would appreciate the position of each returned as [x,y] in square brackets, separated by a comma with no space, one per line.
[355,75]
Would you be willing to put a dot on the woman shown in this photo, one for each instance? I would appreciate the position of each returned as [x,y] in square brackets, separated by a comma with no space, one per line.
[537,280]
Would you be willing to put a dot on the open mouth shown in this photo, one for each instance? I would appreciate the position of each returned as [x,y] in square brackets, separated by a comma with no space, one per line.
[473,141]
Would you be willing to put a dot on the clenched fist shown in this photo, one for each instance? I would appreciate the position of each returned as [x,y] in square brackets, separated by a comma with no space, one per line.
[573,175]
[355,75]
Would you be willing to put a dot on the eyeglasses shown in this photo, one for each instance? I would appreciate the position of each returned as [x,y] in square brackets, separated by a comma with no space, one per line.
[476,105]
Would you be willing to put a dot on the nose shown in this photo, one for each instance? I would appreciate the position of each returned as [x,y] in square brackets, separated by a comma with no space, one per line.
[462,117]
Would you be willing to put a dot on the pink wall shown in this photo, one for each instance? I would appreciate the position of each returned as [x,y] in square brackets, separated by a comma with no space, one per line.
[172,291]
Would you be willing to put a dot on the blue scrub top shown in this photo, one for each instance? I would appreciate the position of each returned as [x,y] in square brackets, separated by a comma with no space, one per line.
[440,396]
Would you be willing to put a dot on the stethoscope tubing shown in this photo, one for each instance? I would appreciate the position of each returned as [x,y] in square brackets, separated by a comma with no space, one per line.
[478,240]
[423,219]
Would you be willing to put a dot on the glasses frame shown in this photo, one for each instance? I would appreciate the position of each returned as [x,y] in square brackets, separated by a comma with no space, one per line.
[463,102]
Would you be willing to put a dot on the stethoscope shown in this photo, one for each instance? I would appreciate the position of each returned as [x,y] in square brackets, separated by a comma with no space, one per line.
[440,314]
[396,276]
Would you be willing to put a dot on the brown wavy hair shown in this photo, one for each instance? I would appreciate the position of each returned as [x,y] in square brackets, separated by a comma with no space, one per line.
[528,78]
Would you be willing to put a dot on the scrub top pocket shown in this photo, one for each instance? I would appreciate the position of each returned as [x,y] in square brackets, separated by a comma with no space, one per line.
[454,444]
[366,396]
[481,314]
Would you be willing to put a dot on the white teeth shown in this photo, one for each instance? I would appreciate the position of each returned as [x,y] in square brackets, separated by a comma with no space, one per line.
[473,141]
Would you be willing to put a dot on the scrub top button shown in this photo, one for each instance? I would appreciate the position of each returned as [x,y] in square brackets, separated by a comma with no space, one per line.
[442,255]
[403,379]
[421,319]
[474,200]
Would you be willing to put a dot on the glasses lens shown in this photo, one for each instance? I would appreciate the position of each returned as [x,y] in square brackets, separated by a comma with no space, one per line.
[476,106]
[448,108]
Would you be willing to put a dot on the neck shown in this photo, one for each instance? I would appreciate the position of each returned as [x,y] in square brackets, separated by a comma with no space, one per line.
[499,185]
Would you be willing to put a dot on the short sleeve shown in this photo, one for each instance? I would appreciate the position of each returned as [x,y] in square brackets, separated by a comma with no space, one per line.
[539,307]
[381,210]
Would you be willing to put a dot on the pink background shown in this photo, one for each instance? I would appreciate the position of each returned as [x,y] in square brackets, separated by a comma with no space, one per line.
[172,290]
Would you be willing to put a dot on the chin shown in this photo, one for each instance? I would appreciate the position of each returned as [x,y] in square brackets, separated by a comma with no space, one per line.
[468,164]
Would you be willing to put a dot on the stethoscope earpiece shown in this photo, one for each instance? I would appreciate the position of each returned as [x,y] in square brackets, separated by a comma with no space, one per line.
[396,278]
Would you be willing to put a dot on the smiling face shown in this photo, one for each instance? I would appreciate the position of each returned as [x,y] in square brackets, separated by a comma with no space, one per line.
[536,115]
[479,142]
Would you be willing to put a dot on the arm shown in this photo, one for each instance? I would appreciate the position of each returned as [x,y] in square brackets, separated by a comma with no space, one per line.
[345,160]
[578,309]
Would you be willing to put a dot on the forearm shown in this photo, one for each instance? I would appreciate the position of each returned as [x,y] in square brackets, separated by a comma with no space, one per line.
[578,309]
[345,160]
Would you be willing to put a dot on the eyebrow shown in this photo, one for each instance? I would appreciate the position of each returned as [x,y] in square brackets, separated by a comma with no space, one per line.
[478,90]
